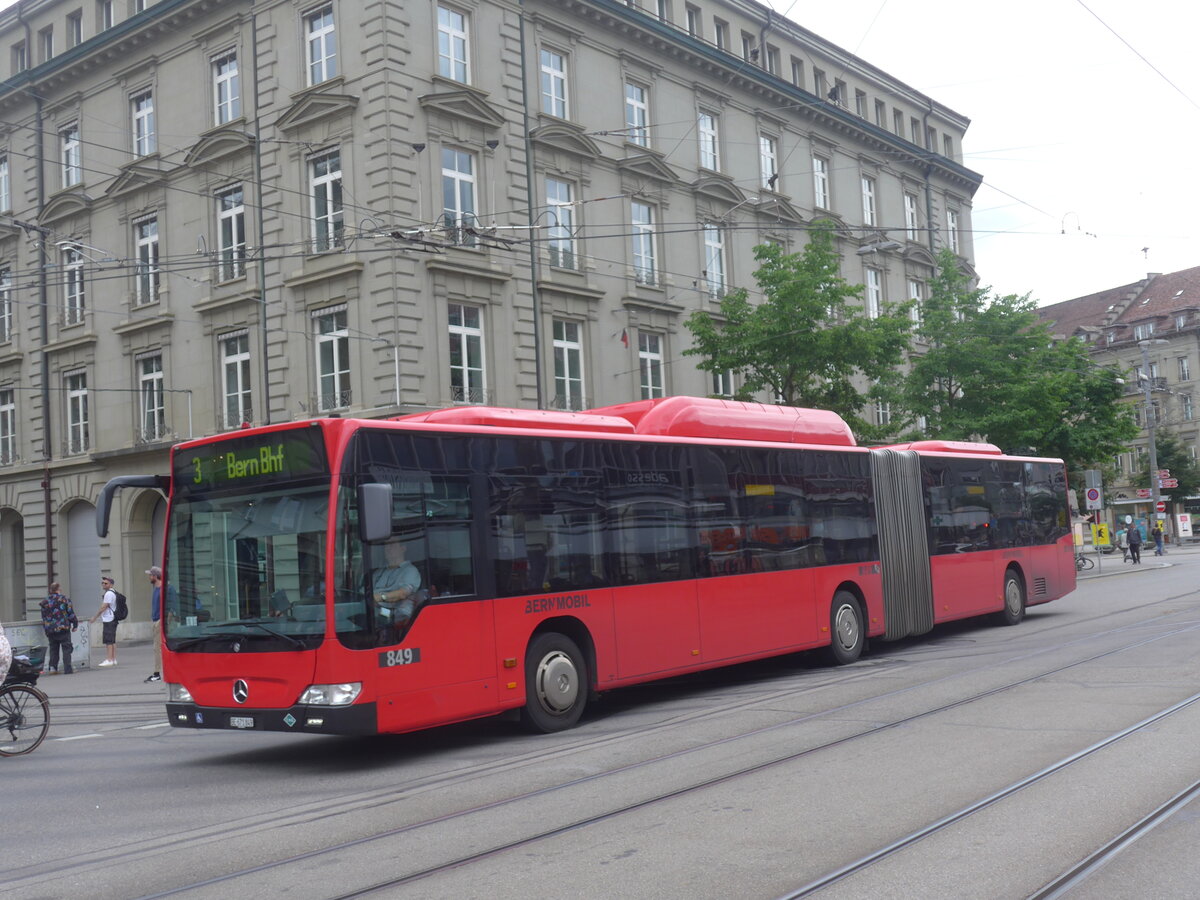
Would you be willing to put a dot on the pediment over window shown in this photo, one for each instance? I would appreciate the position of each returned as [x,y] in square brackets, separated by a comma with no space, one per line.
[144,173]
[722,188]
[66,204]
[569,138]
[647,165]
[777,207]
[840,228]
[316,106]
[464,104]
[217,145]
[915,253]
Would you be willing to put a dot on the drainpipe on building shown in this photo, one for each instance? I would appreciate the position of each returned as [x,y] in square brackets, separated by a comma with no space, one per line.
[262,229]
[929,182]
[43,305]
[535,294]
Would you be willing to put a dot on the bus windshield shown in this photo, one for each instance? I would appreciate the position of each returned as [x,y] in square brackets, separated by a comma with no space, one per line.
[246,545]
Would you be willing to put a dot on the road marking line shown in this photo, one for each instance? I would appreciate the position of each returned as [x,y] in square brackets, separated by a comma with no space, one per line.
[79,737]
[155,725]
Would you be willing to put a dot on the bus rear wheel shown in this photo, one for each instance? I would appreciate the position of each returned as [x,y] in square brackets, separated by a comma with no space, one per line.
[1014,600]
[556,684]
[846,632]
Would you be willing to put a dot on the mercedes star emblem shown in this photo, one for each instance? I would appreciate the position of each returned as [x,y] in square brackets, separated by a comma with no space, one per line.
[241,691]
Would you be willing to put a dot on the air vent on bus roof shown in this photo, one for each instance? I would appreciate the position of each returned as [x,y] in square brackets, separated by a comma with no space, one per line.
[500,417]
[733,420]
[949,447]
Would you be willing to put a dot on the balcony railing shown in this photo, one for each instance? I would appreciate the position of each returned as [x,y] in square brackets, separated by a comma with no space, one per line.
[232,420]
[328,402]
[571,403]
[1138,385]
[153,433]
[477,396]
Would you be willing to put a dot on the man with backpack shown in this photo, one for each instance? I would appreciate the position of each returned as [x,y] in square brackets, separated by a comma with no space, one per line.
[109,616]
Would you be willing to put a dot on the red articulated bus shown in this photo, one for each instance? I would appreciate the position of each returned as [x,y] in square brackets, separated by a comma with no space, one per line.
[548,556]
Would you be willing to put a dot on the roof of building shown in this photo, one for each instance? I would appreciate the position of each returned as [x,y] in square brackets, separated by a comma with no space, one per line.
[1157,298]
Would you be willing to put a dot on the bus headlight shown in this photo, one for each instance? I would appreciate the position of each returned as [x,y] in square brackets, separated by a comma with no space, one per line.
[331,694]
[177,693]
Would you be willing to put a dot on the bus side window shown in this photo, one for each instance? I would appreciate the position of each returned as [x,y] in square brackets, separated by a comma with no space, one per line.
[448,536]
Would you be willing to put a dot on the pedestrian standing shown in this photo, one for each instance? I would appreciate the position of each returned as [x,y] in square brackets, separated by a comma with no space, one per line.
[1134,536]
[107,614]
[58,621]
[156,611]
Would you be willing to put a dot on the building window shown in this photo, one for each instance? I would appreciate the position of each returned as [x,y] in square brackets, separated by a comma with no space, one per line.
[662,9]
[820,182]
[883,413]
[322,54]
[46,44]
[1142,332]
[916,293]
[235,379]
[78,436]
[140,6]
[5,183]
[20,58]
[1185,369]
[820,86]
[650,365]
[645,263]
[74,294]
[145,234]
[881,114]
[327,215]
[6,311]
[69,154]
[568,365]
[554,84]
[637,115]
[8,427]
[151,398]
[914,130]
[749,53]
[467,383]
[714,259]
[952,229]
[1180,319]
[1185,403]
[694,22]
[333,359]
[868,201]
[453,45]
[947,146]
[773,60]
[562,224]
[722,383]
[710,148]
[721,34]
[227,89]
[104,14]
[144,140]
[75,29]
[911,225]
[768,161]
[231,231]
[860,103]
[898,122]
[874,292]
[458,194]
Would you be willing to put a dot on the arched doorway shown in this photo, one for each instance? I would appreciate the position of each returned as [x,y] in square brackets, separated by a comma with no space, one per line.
[12,566]
[82,553]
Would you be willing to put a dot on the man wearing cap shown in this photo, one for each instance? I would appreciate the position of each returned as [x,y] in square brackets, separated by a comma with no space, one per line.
[107,614]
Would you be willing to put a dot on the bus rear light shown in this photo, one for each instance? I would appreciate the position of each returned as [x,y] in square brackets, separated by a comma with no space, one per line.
[177,693]
[331,694]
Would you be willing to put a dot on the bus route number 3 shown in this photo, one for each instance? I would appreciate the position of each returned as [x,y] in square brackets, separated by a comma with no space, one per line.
[406,656]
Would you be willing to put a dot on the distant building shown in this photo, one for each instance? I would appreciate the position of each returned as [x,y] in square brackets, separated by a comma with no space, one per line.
[214,212]
[1164,311]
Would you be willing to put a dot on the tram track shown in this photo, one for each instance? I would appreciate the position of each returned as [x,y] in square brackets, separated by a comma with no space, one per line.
[660,797]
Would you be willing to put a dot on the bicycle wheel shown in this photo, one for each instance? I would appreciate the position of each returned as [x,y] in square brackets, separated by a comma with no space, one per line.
[24,719]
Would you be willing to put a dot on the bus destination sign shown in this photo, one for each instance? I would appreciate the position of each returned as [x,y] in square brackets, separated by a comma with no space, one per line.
[270,458]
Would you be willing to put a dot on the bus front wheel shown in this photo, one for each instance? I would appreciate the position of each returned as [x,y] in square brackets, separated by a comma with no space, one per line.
[556,685]
[847,634]
[1014,600]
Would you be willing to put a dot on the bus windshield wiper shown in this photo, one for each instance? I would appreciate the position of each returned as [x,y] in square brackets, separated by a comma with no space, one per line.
[295,642]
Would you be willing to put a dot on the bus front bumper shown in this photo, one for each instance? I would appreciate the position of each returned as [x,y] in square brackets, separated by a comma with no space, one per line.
[358,718]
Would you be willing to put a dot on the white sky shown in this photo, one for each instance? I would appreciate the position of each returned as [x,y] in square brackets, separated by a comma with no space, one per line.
[1069,127]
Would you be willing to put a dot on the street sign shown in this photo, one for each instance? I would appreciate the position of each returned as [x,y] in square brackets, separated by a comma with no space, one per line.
[1092,498]
[1100,535]
[1143,493]
[1160,506]
[1168,482]
[1164,473]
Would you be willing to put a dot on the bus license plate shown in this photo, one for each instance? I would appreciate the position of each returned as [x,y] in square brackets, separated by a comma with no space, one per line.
[241,721]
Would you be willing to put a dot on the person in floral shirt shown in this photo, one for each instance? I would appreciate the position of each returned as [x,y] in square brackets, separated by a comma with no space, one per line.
[58,621]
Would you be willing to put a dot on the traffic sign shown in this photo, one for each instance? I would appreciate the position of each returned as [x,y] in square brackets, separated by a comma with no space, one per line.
[1160,506]
[1143,493]
[1168,482]
[1093,498]
[1164,473]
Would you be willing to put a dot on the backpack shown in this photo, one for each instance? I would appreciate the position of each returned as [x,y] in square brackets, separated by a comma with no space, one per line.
[121,613]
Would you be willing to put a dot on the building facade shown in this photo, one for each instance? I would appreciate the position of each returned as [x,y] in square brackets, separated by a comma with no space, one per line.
[214,212]
[1149,331]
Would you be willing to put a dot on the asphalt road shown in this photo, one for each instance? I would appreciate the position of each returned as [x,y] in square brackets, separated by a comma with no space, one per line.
[980,761]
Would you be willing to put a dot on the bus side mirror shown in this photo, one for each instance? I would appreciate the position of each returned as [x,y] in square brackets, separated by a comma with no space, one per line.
[374,512]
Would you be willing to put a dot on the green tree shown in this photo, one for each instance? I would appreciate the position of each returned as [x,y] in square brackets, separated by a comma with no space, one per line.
[1172,456]
[809,340]
[985,367]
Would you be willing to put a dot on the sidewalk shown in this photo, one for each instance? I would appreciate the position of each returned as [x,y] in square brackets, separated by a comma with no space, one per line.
[1112,563]
[134,663]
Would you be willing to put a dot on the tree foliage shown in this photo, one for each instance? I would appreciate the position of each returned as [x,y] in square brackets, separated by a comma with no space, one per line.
[809,338]
[985,366]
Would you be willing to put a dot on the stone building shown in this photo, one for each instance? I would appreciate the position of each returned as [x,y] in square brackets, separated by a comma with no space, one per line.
[215,212]
[1149,329]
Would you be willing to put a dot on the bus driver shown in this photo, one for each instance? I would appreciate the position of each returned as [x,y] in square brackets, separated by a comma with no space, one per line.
[395,585]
